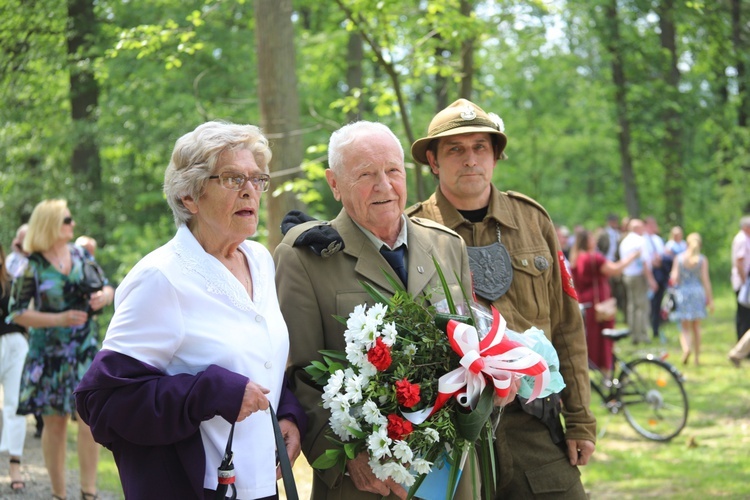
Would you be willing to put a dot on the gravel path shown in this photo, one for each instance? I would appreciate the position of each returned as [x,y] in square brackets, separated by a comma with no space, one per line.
[35,474]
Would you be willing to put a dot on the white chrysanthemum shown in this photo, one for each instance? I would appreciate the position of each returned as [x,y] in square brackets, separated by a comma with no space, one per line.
[410,350]
[341,423]
[371,414]
[421,466]
[339,404]
[367,370]
[378,469]
[377,313]
[432,435]
[399,473]
[354,388]
[379,443]
[368,334]
[335,383]
[355,354]
[354,323]
[389,334]
[402,451]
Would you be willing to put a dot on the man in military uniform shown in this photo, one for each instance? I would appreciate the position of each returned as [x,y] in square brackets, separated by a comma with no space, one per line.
[516,266]
[319,267]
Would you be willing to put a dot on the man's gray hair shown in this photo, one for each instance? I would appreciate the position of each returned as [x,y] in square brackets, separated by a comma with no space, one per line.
[195,155]
[745,222]
[346,135]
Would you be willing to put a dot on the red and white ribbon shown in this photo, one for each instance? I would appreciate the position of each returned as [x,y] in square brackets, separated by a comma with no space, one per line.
[495,358]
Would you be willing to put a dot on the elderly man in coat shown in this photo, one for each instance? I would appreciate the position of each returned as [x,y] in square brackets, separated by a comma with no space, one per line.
[320,266]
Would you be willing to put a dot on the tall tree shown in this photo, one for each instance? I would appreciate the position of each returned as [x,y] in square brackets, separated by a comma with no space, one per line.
[615,49]
[671,114]
[279,102]
[84,92]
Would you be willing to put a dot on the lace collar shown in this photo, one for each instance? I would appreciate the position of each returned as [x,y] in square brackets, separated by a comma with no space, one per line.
[219,280]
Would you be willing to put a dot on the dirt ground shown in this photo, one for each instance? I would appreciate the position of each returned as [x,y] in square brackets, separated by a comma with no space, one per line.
[38,486]
[35,474]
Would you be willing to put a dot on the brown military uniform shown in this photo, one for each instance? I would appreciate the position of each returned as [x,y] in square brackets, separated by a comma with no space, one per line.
[530,464]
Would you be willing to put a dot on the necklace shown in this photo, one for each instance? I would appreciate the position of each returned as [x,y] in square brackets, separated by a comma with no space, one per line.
[55,260]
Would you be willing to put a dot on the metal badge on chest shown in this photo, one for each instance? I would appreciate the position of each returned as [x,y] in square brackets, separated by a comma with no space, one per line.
[491,269]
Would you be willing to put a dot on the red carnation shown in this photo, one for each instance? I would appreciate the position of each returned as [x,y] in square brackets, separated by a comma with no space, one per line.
[407,394]
[398,428]
[380,355]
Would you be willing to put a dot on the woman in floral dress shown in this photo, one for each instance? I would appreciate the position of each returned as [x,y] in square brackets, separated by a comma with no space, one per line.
[693,295]
[62,342]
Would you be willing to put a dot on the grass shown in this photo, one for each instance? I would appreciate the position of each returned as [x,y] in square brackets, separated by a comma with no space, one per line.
[708,459]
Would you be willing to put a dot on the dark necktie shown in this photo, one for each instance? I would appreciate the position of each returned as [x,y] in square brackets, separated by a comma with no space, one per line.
[396,259]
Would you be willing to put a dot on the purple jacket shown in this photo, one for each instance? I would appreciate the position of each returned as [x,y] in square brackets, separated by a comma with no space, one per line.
[150,421]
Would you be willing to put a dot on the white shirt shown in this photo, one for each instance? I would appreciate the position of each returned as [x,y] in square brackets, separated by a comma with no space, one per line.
[628,245]
[16,264]
[740,248]
[653,245]
[181,310]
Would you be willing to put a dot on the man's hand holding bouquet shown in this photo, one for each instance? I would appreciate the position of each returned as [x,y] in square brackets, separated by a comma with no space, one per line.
[415,388]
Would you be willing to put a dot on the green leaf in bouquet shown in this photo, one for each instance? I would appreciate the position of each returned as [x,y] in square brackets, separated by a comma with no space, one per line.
[446,288]
[357,433]
[319,365]
[469,425]
[376,295]
[441,320]
[330,459]
[351,450]
[327,353]
[319,376]
[414,487]
[487,462]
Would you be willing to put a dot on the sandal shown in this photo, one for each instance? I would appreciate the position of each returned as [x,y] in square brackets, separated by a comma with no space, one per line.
[17,485]
[55,497]
[89,496]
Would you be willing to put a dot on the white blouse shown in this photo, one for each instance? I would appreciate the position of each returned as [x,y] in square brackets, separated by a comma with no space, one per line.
[181,310]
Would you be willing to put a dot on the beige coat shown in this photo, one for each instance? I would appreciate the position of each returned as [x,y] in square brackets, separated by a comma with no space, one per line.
[313,289]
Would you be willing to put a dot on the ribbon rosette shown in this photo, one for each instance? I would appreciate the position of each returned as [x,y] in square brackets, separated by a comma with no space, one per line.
[495,358]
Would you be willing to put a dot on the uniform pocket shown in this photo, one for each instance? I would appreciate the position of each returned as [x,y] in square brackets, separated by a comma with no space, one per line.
[530,271]
[555,477]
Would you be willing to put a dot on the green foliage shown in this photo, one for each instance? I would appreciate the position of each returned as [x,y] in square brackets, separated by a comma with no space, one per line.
[163,67]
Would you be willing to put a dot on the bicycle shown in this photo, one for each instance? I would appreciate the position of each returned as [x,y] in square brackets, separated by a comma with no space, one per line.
[648,390]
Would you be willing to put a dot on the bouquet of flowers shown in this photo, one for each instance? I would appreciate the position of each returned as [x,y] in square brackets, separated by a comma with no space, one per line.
[415,388]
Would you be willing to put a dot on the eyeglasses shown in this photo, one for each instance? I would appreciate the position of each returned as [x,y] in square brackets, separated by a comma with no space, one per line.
[68,220]
[236,182]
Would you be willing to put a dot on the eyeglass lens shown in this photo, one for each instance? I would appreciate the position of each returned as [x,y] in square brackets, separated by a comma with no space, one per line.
[236,182]
[68,220]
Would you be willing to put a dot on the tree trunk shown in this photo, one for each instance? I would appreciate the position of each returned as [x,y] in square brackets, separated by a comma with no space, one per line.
[84,100]
[740,54]
[279,104]
[467,56]
[614,47]
[673,178]
[355,53]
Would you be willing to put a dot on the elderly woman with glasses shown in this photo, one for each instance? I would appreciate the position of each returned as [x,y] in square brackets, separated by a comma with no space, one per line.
[50,300]
[197,343]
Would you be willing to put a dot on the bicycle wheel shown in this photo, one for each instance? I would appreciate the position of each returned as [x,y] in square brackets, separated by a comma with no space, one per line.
[653,398]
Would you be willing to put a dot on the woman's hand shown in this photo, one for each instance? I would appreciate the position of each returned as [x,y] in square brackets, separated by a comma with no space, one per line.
[72,317]
[103,297]
[292,440]
[254,399]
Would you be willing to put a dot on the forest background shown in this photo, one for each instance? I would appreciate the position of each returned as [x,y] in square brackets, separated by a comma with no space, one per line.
[635,107]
